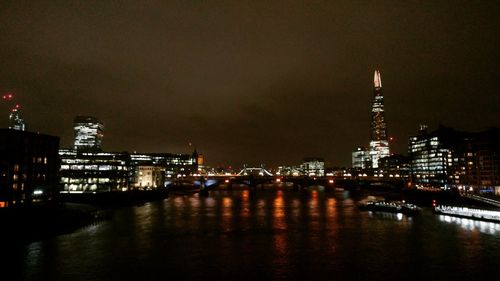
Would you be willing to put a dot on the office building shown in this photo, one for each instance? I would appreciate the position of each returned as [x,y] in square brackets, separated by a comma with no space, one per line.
[430,158]
[361,159]
[83,172]
[29,167]
[313,166]
[453,159]
[174,165]
[88,133]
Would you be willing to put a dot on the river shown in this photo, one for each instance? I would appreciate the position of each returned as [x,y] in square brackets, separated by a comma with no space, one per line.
[262,235]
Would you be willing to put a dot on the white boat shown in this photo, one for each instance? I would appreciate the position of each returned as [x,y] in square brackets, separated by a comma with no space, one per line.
[470,213]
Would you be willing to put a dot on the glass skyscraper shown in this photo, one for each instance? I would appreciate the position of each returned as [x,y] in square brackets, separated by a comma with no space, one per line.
[88,133]
[379,142]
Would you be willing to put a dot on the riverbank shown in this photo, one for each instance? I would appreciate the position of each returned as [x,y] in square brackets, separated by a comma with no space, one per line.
[67,213]
[114,198]
[31,223]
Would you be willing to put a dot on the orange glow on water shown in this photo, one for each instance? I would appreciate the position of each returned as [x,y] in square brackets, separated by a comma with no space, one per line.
[315,194]
[331,204]
[227,202]
[279,211]
[278,201]
[245,195]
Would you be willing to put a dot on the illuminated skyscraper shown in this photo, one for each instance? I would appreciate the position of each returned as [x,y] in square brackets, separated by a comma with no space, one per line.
[379,143]
[88,133]
[15,121]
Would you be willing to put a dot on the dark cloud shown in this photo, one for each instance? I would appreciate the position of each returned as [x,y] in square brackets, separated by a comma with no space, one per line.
[244,82]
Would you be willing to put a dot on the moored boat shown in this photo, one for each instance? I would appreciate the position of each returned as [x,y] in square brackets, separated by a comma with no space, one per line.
[469,213]
[390,206]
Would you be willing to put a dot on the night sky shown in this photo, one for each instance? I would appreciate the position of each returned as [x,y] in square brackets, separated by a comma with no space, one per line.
[257,82]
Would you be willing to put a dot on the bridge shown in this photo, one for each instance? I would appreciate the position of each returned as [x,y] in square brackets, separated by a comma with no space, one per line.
[249,171]
[259,177]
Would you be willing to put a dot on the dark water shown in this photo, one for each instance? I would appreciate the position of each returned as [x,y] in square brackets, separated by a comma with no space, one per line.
[267,235]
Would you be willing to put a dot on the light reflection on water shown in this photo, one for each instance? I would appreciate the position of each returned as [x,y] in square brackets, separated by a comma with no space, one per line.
[472,225]
[395,216]
[266,235]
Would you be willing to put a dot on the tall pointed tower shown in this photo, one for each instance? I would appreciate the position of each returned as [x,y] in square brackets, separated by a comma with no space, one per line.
[379,143]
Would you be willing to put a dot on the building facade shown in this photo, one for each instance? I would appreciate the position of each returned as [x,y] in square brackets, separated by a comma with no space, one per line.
[361,159]
[88,133]
[173,165]
[29,167]
[313,166]
[395,166]
[430,158]
[149,177]
[83,172]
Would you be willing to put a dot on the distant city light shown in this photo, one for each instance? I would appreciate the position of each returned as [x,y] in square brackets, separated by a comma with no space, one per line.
[38,192]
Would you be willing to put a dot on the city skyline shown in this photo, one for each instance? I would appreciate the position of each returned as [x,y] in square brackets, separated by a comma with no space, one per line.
[250,83]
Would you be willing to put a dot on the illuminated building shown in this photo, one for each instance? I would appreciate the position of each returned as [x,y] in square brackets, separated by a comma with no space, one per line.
[289,171]
[313,166]
[361,159]
[476,161]
[87,168]
[462,160]
[88,133]
[83,171]
[430,158]
[200,159]
[93,171]
[15,120]
[379,143]
[28,167]
[174,165]
[149,177]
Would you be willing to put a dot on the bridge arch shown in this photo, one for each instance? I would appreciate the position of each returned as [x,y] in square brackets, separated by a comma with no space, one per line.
[254,170]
